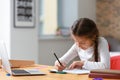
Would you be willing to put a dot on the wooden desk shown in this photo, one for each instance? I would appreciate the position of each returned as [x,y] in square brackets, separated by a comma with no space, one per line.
[48,76]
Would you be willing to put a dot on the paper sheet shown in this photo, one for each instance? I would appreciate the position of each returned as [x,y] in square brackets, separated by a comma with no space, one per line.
[77,71]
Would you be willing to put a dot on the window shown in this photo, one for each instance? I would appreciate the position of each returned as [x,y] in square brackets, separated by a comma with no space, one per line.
[57,15]
[48,17]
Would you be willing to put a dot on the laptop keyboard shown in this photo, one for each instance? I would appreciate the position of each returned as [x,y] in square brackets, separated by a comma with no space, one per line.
[22,72]
[19,71]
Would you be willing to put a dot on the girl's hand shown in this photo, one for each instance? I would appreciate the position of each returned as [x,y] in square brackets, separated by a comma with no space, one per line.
[59,67]
[76,64]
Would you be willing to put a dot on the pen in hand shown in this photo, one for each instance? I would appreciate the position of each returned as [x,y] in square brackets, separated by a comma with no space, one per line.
[58,59]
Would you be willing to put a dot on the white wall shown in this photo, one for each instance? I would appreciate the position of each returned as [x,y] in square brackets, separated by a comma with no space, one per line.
[48,46]
[22,43]
[5,22]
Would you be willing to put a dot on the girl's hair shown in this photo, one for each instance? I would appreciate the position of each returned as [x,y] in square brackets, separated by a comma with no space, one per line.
[86,27]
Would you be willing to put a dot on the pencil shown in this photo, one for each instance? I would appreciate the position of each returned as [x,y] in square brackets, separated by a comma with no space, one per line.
[58,59]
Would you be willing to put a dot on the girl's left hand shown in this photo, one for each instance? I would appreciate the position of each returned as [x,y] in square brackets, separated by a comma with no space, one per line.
[76,64]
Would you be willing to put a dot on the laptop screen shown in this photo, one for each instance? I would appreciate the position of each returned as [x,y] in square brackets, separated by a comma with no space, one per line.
[4,57]
[6,64]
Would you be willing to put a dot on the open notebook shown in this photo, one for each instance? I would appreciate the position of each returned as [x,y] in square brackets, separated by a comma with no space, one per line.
[73,71]
[15,72]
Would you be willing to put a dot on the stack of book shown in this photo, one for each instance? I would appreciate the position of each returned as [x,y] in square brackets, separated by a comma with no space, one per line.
[105,73]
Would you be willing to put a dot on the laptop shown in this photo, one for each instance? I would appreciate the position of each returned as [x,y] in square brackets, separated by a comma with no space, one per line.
[15,72]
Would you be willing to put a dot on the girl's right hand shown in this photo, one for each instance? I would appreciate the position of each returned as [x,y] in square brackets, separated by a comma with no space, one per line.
[59,67]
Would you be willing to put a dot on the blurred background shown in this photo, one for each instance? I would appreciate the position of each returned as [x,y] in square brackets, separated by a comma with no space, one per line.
[47,31]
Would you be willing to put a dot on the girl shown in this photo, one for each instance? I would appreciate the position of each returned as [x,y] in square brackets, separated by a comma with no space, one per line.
[91,49]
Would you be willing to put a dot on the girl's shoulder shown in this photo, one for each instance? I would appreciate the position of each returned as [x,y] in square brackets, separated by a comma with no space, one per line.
[102,40]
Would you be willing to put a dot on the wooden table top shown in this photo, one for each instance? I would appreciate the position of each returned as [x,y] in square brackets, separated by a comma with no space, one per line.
[48,76]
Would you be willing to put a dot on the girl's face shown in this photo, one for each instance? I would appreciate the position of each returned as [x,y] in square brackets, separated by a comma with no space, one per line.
[82,42]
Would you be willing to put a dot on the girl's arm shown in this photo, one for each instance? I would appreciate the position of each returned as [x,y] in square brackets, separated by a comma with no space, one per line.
[71,54]
[104,62]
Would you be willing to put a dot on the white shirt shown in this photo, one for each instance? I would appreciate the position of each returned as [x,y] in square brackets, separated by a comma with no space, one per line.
[88,56]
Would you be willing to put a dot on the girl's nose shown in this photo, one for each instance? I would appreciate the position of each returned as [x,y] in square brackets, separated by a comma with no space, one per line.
[82,46]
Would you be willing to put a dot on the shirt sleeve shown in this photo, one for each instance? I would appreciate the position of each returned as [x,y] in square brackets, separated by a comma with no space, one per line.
[104,62]
[69,55]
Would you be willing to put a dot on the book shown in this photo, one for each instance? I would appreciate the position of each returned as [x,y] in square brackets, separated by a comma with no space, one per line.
[105,75]
[105,71]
